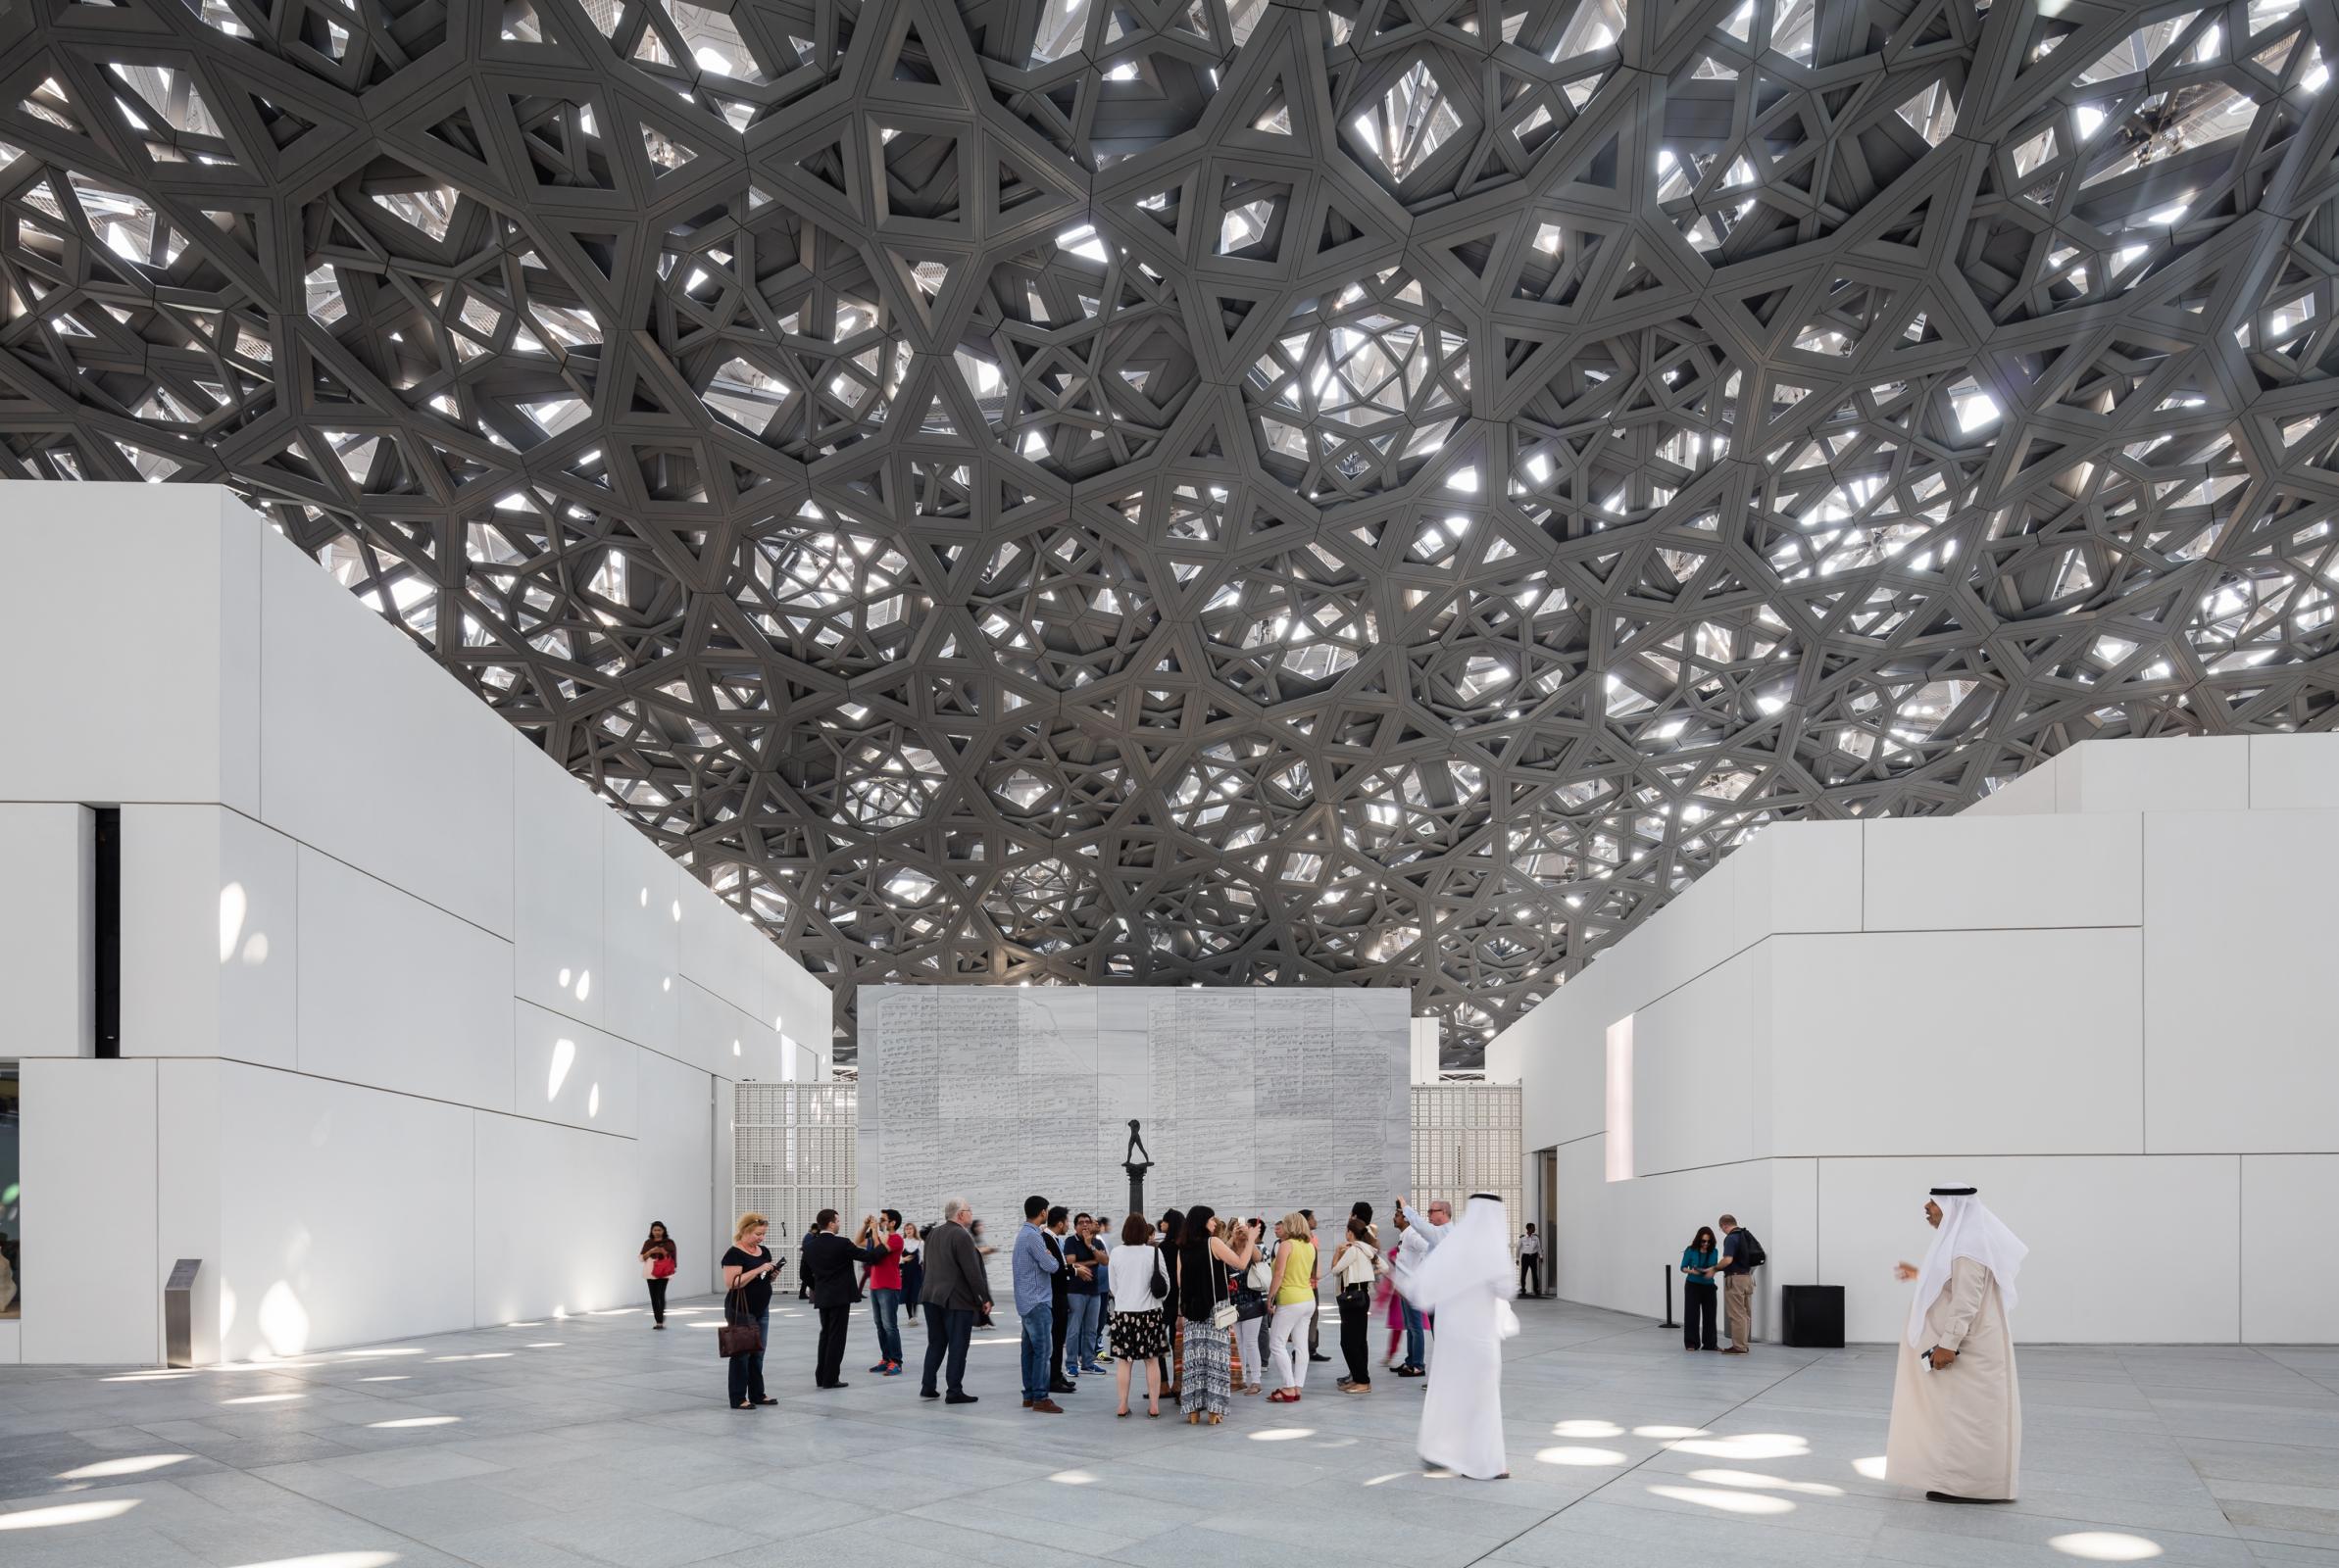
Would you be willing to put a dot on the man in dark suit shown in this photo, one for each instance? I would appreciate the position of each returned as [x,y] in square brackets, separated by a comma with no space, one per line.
[828,1262]
[956,1289]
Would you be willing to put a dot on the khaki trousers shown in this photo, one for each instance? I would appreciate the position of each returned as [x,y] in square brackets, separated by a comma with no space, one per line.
[1737,1306]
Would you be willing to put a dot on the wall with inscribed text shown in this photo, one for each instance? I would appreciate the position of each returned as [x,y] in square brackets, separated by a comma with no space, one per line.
[1255,1101]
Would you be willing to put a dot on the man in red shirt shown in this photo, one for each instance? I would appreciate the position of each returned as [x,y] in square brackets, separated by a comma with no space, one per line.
[885,1296]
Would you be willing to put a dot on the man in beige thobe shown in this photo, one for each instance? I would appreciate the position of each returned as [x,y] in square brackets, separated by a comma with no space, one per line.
[1957,1409]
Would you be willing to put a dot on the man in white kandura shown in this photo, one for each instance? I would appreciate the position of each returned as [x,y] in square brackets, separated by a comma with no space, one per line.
[1466,1280]
[1957,1410]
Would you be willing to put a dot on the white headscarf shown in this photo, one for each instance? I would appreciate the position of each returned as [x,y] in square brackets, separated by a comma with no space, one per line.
[1968,1229]
[1474,1251]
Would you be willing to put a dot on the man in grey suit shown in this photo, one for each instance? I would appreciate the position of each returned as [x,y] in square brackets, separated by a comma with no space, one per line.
[956,1289]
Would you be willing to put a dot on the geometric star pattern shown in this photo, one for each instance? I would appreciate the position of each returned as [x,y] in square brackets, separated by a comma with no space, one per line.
[1369,491]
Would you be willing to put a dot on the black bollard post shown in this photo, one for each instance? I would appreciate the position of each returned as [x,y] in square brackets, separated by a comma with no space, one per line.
[1669,1322]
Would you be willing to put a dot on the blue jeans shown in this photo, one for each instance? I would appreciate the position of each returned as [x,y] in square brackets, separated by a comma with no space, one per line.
[885,1307]
[747,1371]
[1039,1348]
[1413,1334]
[1083,1314]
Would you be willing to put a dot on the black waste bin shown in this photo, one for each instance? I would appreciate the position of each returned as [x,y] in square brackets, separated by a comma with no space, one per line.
[1812,1316]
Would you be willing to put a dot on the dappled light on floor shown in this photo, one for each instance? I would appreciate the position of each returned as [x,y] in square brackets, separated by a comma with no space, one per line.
[1747,1478]
[61,1514]
[1668,1433]
[265,1399]
[1073,1478]
[1746,1446]
[1282,1434]
[1872,1467]
[1568,1454]
[127,1465]
[1588,1429]
[415,1421]
[330,1559]
[1725,1501]
[2105,1545]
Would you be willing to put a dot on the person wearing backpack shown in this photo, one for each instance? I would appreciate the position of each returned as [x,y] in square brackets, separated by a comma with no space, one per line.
[1741,1255]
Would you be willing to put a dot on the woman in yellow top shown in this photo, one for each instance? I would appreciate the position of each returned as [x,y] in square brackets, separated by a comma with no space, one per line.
[1293,1293]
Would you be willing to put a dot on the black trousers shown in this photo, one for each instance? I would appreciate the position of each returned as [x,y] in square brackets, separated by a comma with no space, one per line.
[833,1320]
[1355,1317]
[1056,1361]
[948,1331]
[1530,1274]
[1697,1306]
[657,1299]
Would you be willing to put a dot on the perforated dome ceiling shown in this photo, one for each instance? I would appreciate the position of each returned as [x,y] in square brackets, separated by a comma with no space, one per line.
[1223,491]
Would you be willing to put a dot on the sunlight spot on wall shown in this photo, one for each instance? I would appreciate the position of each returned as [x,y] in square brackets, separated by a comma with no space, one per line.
[584,985]
[255,950]
[1618,1150]
[232,904]
[563,1056]
[283,1321]
[593,1102]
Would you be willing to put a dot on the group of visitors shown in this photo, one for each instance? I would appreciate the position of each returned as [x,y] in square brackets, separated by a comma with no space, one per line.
[1202,1306]
[1186,1296]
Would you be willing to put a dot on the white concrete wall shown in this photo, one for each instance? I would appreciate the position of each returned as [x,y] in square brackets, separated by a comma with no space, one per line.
[2099,994]
[419,1033]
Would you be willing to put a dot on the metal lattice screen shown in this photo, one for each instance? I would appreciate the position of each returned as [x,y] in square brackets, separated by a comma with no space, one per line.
[1467,1138]
[794,1152]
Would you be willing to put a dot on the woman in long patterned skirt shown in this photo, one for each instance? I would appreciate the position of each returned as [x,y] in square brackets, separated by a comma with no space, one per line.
[1207,1383]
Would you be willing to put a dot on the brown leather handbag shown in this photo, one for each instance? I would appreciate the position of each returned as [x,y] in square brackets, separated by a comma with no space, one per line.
[738,1335]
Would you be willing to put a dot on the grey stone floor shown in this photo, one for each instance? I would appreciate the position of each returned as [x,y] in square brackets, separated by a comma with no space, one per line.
[593,1440]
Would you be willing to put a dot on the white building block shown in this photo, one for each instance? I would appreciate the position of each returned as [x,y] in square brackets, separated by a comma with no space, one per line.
[1948,873]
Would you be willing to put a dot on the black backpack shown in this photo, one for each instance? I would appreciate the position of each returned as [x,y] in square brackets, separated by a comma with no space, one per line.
[1752,1256]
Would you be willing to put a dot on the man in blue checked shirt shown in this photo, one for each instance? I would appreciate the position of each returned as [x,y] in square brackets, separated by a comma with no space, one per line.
[1035,1305]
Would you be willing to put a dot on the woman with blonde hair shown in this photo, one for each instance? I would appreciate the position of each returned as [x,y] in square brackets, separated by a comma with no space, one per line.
[1292,1295]
[748,1269]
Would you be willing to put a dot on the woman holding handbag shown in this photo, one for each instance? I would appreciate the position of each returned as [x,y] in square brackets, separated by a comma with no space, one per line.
[1141,1296]
[748,1269]
[658,1262]
[1250,1299]
[1205,1276]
